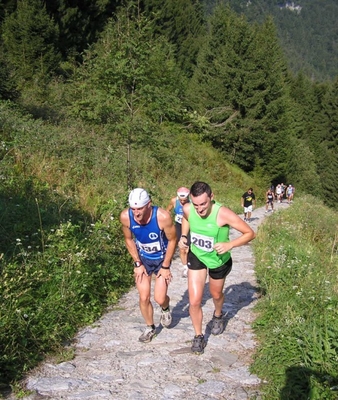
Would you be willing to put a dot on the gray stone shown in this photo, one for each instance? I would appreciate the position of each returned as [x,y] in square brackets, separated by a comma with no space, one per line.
[92,395]
[55,384]
[243,376]
[211,387]
[171,391]
[224,359]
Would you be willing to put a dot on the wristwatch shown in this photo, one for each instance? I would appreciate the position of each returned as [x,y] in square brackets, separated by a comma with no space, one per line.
[137,264]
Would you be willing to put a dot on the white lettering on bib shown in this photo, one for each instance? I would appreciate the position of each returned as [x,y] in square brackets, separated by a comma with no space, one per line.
[205,243]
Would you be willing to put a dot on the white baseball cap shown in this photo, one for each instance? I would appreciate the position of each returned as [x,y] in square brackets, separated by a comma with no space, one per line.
[183,192]
[138,198]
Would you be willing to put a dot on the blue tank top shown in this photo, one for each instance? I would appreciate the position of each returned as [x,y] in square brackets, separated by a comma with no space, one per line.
[151,241]
[178,210]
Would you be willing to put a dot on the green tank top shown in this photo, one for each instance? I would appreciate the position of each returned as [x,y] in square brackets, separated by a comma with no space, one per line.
[204,234]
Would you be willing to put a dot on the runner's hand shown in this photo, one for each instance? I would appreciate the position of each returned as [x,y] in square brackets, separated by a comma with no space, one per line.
[222,247]
[183,243]
[139,272]
[166,275]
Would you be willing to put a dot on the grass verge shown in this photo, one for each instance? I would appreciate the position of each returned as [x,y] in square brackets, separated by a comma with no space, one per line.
[297,326]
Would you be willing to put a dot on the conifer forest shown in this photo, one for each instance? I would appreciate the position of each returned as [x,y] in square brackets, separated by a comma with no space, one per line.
[226,71]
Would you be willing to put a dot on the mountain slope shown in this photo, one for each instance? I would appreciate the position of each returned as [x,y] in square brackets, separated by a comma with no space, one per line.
[307,30]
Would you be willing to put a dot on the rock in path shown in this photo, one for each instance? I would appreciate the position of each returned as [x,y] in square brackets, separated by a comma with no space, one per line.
[110,362]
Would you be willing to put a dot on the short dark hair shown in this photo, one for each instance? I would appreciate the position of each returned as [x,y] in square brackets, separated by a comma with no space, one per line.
[199,188]
[250,189]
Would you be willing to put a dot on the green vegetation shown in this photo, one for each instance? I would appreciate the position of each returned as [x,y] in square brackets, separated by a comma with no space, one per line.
[297,268]
[307,31]
[98,98]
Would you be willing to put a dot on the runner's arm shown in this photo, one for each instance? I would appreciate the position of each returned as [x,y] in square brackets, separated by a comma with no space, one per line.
[228,217]
[166,224]
[128,236]
[185,227]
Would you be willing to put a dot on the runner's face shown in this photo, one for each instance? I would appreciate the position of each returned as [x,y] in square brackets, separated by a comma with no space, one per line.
[183,200]
[140,213]
[202,204]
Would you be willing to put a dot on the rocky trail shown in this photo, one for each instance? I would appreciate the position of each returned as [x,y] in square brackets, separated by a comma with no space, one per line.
[110,362]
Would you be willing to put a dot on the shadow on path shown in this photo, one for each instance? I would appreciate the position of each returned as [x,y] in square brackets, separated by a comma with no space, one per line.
[237,296]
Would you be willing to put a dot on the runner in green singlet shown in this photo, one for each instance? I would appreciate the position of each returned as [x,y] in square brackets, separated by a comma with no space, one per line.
[209,253]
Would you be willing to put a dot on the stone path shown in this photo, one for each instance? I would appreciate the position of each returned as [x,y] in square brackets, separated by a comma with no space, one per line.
[110,362]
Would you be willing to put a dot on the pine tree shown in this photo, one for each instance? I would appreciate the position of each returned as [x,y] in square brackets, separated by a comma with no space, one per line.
[268,101]
[239,83]
[127,75]
[327,160]
[7,86]
[182,22]
[302,167]
[30,38]
[130,83]
[80,23]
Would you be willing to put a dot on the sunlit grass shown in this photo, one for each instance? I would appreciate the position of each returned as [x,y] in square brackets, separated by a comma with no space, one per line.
[297,268]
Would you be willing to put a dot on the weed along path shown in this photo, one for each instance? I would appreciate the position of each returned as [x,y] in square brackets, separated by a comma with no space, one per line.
[110,362]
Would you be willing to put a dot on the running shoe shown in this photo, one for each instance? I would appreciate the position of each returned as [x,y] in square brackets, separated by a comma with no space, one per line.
[198,344]
[148,334]
[166,318]
[217,325]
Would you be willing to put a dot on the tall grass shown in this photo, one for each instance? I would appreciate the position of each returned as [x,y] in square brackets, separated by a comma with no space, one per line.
[297,325]
[58,272]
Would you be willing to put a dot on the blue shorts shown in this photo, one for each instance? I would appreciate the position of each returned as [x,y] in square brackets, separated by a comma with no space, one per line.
[152,266]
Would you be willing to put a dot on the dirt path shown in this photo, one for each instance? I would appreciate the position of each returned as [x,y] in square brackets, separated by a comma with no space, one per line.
[110,363]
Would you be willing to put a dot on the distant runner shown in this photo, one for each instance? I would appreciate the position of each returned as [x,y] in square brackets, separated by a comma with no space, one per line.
[248,201]
[176,204]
